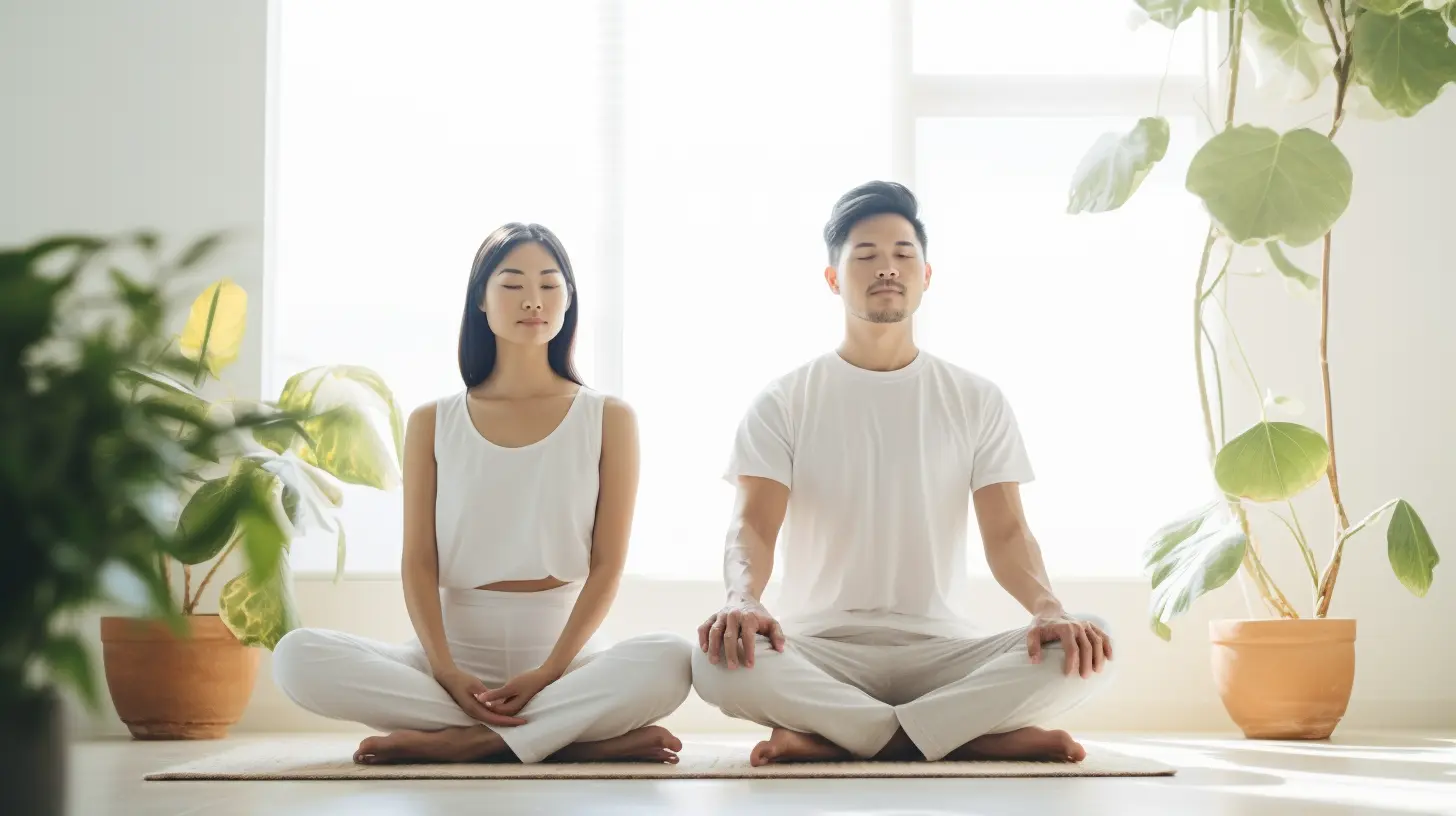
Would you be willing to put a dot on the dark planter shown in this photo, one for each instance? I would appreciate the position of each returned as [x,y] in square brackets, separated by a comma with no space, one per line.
[33,759]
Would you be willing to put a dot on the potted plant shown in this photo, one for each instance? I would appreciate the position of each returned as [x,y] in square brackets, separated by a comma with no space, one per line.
[86,475]
[350,430]
[1288,676]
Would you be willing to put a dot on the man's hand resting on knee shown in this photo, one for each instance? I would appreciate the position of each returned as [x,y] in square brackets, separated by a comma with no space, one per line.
[731,632]
[1086,647]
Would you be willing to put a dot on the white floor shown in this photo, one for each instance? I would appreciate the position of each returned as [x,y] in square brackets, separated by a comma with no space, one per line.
[1360,773]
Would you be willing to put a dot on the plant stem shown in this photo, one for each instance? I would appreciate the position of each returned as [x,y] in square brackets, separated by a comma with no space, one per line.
[1218,383]
[1248,368]
[1236,39]
[1327,584]
[1198,334]
[1297,530]
[215,564]
[187,600]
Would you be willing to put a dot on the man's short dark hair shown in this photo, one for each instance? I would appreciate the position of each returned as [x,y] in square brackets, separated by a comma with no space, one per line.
[866,201]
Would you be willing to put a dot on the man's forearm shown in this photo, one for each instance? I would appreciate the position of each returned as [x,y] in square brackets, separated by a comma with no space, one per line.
[1016,564]
[747,562]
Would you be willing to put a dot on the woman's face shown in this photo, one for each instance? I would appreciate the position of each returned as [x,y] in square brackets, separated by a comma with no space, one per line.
[526,296]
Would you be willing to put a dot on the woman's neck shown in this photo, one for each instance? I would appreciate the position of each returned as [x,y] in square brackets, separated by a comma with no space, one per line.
[521,372]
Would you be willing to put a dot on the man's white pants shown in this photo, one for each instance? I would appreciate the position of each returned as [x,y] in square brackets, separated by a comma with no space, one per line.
[856,689]
[605,693]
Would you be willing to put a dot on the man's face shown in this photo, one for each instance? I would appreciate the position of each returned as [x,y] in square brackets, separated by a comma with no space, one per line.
[882,272]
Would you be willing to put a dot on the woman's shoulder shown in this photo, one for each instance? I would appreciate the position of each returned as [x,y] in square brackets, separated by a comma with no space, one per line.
[425,415]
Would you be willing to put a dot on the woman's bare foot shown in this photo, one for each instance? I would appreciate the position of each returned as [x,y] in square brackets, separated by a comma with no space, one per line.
[471,743]
[1025,744]
[651,744]
[784,745]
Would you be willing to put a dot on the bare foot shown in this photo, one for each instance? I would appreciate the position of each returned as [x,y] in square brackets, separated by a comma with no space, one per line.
[471,743]
[784,745]
[1023,743]
[651,744]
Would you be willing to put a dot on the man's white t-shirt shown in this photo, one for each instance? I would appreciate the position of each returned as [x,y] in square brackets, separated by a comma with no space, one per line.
[880,467]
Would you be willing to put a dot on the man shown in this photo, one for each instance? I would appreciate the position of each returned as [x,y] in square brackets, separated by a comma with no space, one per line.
[866,457]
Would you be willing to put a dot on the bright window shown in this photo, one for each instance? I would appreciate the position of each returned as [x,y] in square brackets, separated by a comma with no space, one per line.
[688,154]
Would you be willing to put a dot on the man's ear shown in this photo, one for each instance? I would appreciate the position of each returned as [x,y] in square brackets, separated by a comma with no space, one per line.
[831,277]
[927,276]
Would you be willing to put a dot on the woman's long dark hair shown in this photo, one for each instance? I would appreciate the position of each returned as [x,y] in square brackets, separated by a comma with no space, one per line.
[477,341]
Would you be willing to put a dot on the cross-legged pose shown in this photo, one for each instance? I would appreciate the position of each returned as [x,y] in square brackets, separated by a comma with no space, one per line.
[518,500]
[868,458]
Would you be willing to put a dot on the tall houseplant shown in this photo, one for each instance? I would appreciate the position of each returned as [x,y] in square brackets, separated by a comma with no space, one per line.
[1265,190]
[350,430]
[87,474]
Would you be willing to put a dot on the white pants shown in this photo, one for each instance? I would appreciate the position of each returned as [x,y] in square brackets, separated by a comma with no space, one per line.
[605,692]
[856,688]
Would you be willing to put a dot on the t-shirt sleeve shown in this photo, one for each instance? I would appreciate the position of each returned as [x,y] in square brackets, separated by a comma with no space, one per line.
[763,445]
[1000,454]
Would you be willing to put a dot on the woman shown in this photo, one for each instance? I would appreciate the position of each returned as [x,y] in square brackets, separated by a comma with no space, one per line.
[518,501]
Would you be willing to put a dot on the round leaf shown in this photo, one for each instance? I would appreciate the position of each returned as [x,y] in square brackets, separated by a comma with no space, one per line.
[1260,185]
[1190,557]
[1272,461]
[259,613]
[1173,13]
[1413,555]
[214,331]
[1406,61]
[1279,36]
[1112,170]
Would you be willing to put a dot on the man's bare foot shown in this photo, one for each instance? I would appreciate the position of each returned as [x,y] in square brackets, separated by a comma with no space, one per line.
[1023,743]
[651,744]
[784,745]
[471,743]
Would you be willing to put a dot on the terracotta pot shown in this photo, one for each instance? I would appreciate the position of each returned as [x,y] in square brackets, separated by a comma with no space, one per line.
[170,688]
[1284,679]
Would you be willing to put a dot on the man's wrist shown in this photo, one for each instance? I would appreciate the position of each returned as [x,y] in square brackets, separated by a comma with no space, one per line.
[1049,610]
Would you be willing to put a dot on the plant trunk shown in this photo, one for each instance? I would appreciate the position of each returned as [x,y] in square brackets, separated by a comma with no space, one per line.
[33,757]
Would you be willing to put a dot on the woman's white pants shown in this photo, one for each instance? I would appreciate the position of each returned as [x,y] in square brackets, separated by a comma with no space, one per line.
[606,691]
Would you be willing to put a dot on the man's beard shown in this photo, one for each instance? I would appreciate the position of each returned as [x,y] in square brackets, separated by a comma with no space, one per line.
[885,316]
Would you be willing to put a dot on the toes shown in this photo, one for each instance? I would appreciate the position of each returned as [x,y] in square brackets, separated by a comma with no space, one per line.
[763,753]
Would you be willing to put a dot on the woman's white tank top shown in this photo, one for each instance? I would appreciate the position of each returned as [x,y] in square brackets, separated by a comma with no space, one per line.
[516,514]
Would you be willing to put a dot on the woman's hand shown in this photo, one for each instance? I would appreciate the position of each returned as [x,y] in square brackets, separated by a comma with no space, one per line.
[513,696]
[468,692]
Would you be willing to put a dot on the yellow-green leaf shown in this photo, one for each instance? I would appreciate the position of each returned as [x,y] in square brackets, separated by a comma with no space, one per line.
[1272,461]
[214,331]
[1173,13]
[348,445]
[1116,165]
[259,613]
[1413,555]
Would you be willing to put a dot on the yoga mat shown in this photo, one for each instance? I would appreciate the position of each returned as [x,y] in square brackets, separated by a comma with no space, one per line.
[330,758]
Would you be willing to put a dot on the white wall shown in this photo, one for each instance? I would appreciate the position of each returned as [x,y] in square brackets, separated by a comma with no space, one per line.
[152,113]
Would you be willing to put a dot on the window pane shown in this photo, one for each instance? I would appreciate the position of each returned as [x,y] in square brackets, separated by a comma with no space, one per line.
[406,134]
[733,164]
[1082,320]
[1049,37]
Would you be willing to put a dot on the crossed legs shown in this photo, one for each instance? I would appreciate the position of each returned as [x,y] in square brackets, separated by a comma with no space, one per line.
[938,698]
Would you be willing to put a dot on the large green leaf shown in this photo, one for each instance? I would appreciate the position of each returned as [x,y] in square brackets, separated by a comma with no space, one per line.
[1406,61]
[310,495]
[1261,186]
[1272,461]
[69,661]
[1279,30]
[1287,268]
[1413,555]
[1389,6]
[352,410]
[1112,170]
[1189,557]
[1173,13]
[246,503]
[259,613]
